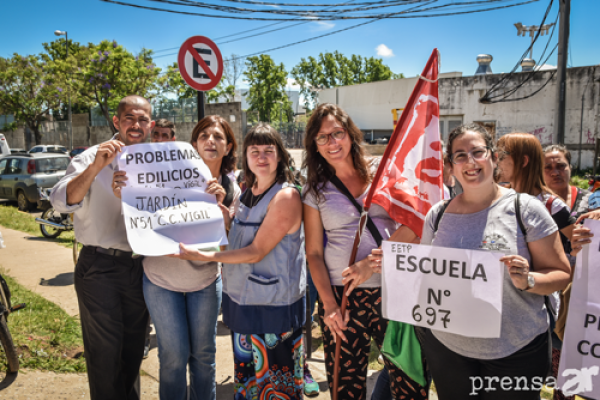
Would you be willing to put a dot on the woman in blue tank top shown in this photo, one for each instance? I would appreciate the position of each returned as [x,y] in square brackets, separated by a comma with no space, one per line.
[264,279]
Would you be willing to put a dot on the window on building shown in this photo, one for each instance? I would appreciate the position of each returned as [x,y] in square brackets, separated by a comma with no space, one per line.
[448,123]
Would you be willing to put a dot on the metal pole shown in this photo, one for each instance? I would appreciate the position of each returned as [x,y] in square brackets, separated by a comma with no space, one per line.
[70,115]
[200,105]
[581,131]
[561,71]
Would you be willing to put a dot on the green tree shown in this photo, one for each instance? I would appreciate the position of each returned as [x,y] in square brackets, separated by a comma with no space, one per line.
[29,90]
[267,82]
[108,72]
[172,82]
[335,69]
[56,58]
[309,75]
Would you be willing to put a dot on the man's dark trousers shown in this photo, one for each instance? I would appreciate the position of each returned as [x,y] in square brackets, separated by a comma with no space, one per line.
[113,321]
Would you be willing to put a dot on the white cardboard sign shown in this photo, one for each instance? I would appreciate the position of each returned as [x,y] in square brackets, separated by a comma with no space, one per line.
[164,202]
[165,165]
[579,369]
[451,290]
[157,220]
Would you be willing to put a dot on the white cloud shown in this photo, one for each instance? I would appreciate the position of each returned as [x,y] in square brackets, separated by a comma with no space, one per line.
[384,51]
[323,25]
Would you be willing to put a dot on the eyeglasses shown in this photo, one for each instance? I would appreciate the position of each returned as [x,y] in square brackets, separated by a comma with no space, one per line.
[323,138]
[477,154]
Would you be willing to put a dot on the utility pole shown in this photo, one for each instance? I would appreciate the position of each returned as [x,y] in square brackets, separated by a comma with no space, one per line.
[561,71]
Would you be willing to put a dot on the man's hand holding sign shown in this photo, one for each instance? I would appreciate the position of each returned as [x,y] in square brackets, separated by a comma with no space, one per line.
[169,197]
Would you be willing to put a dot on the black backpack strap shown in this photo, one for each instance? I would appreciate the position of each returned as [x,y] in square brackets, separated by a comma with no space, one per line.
[370,224]
[519,216]
[436,223]
[229,190]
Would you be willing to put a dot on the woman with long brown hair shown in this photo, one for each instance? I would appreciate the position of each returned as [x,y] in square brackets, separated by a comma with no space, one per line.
[184,297]
[521,163]
[337,163]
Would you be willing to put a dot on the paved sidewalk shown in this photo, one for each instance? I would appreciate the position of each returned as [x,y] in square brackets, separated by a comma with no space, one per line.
[45,267]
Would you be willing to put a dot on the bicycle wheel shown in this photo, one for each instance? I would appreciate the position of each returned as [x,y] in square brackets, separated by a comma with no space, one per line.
[47,230]
[9,359]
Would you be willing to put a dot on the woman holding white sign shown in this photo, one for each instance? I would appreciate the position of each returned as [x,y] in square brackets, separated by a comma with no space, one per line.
[339,176]
[184,297]
[515,364]
[264,276]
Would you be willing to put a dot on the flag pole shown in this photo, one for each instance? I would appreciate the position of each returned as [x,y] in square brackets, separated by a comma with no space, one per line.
[338,340]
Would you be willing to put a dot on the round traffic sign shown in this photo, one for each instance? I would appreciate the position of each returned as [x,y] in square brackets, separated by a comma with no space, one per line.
[200,63]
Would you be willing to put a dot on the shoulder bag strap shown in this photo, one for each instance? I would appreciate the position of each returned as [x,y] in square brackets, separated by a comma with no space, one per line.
[575,195]
[229,189]
[370,224]
[549,203]
[436,224]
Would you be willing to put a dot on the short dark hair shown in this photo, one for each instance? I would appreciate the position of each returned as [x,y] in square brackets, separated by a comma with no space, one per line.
[229,161]
[265,134]
[133,100]
[561,149]
[165,123]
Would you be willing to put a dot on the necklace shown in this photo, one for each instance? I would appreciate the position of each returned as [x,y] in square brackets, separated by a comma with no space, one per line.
[255,199]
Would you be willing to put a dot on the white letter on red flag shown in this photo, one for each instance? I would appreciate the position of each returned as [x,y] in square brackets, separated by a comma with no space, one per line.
[409,179]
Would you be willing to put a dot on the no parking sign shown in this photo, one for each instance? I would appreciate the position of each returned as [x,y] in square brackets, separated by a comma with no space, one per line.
[200,63]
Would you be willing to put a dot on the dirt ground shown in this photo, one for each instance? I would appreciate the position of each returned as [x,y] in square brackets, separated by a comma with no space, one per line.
[47,268]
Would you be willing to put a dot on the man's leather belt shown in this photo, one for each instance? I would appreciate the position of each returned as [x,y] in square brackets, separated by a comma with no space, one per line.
[112,252]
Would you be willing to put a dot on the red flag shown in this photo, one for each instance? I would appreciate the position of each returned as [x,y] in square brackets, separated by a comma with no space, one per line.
[409,178]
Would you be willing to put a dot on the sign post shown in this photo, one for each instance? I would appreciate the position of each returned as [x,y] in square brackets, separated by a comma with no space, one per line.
[201,66]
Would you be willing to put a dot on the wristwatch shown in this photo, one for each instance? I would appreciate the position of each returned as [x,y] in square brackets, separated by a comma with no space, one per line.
[530,282]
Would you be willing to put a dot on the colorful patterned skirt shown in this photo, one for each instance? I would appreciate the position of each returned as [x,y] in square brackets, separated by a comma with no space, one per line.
[268,366]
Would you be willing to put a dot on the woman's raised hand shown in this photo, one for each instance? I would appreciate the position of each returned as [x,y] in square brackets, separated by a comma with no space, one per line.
[356,274]
[213,187]
[581,236]
[518,267]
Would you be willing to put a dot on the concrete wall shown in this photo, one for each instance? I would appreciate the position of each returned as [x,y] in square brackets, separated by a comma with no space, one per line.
[370,105]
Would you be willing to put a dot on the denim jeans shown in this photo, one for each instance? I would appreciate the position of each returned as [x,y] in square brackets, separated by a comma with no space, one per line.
[186,329]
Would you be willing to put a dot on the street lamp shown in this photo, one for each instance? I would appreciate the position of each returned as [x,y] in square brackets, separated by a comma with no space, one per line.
[70,127]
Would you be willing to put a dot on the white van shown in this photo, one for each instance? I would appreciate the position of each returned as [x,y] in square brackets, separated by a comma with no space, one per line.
[4,148]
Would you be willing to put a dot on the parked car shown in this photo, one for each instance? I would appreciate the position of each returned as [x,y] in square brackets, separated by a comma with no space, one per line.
[26,178]
[4,147]
[17,151]
[49,149]
[78,150]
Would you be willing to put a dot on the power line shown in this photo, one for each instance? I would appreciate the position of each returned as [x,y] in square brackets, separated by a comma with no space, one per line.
[487,98]
[336,16]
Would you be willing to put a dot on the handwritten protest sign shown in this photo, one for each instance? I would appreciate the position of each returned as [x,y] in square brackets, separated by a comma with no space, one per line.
[164,202]
[451,290]
[166,165]
[579,371]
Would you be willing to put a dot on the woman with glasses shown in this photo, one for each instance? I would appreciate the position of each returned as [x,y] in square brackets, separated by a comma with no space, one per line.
[535,265]
[334,153]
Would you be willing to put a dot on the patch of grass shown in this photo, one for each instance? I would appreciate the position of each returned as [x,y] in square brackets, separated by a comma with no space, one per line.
[46,337]
[12,218]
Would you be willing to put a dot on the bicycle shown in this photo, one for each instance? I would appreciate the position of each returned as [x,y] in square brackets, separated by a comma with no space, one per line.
[9,359]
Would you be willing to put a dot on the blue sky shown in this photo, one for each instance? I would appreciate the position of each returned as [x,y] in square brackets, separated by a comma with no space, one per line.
[459,38]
